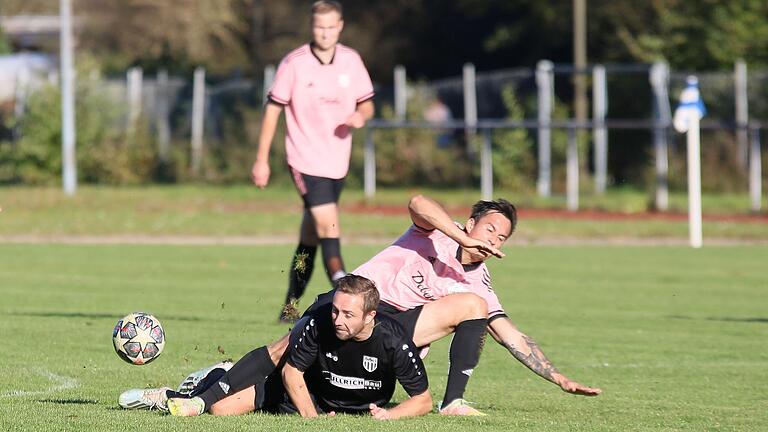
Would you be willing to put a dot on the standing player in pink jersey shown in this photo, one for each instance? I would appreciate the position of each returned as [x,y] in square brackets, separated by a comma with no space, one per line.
[326,92]
[434,282]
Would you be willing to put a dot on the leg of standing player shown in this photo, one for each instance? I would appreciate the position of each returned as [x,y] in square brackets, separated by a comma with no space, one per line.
[326,218]
[302,262]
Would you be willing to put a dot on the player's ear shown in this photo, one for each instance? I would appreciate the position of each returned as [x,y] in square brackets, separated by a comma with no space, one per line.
[369,317]
[470,224]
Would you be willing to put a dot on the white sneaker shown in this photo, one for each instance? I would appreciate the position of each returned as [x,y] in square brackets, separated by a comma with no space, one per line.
[186,407]
[191,381]
[145,399]
[459,407]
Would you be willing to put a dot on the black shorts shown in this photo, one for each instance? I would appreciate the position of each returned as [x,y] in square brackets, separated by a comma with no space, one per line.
[406,318]
[272,398]
[315,190]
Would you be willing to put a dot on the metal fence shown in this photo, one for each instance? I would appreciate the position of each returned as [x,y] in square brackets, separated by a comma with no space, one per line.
[624,98]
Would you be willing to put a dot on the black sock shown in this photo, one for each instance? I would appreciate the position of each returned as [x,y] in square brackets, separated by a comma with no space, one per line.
[332,258]
[250,370]
[302,264]
[464,356]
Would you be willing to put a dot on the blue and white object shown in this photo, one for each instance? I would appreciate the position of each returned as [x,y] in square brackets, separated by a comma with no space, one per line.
[690,105]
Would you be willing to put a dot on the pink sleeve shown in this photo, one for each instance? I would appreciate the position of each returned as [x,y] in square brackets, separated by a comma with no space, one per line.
[283,85]
[487,293]
[494,305]
[363,86]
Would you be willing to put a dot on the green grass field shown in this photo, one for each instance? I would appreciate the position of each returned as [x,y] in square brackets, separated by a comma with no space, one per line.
[246,211]
[675,337]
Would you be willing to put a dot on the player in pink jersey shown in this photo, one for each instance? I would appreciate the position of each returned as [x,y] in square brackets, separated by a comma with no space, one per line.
[434,282]
[326,93]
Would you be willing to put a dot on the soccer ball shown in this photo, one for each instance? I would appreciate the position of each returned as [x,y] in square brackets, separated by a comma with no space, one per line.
[138,338]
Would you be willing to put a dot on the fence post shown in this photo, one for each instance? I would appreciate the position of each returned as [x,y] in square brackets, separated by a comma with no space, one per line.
[369,164]
[69,162]
[755,171]
[401,93]
[599,132]
[198,113]
[486,167]
[662,115]
[546,86]
[742,111]
[134,79]
[470,105]
[162,121]
[572,171]
[269,78]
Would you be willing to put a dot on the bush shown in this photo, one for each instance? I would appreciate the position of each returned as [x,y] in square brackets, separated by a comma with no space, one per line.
[107,152]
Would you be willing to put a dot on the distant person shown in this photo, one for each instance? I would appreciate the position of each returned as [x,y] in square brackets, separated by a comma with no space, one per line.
[438,113]
[326,92]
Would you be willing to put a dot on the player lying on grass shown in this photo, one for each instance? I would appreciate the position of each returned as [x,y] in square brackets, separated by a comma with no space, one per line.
[343,357]
[433,281]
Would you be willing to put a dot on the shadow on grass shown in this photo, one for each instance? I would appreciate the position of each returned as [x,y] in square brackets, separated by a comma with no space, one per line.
[723,319]
[69,401]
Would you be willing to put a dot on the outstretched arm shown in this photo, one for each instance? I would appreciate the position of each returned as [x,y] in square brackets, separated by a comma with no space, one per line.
[527,351]
[428,214]
[417,405]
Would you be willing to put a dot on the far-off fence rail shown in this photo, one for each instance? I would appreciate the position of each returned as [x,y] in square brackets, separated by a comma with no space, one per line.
[485,128]
[637,98]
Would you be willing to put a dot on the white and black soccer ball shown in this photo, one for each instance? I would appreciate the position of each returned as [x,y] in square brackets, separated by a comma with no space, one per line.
[138,338]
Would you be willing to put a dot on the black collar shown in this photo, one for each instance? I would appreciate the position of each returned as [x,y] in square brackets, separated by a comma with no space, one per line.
[312,44]
[467,267]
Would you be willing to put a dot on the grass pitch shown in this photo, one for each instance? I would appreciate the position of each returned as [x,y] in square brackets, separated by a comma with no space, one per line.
[675,337]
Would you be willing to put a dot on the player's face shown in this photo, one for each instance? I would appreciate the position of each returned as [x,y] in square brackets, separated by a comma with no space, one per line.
[349,320]
[326,29]
[492,228]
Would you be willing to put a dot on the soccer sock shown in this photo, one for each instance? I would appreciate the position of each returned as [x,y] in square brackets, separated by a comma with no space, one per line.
[334,265]
[302,264]
[250,370]
[464,356]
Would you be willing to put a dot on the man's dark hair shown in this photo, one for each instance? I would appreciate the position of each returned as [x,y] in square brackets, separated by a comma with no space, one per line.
[506,208]
[358,285]
[325,6]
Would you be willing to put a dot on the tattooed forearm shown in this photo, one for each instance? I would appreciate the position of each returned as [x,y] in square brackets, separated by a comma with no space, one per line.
[535,361]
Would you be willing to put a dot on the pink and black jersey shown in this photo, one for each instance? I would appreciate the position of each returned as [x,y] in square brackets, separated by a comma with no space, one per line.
[422,266]
[318,99]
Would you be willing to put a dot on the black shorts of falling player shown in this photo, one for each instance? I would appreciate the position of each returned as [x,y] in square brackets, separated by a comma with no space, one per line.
[341,376]
[315,191]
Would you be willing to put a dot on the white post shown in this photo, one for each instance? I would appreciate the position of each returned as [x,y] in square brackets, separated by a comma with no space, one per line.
[755,171]
[659,78]
[163,124]
[694,181]
[134,78]
[369,164]
[470,104]
[198,109]
[599,132]
[69,168]
[269,78]
[401,93]
[742,111]
[486,167]
[572,171]
[545,85]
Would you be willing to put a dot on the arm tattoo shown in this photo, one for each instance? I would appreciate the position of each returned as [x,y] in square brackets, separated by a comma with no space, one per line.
[535,361]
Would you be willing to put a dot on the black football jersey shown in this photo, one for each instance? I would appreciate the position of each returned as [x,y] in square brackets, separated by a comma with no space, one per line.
[347,376]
